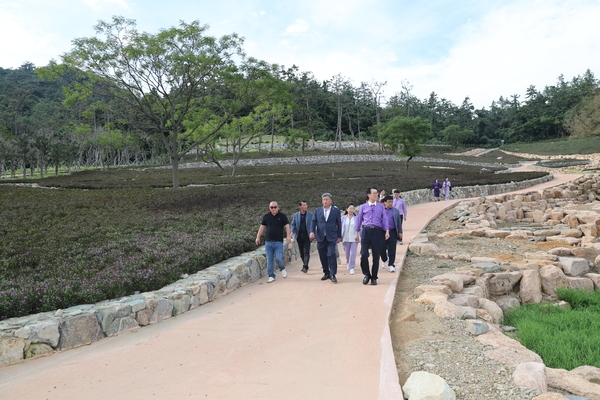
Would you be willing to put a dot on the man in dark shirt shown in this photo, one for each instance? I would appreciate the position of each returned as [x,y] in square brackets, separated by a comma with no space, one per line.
[300,227]
[274,222]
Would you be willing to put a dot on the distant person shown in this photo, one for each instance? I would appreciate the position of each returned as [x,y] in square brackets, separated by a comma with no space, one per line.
[300,232]
[447,186]
[349,239]
[381,194]
[388,252]
[326,229]
[400,205]
[436,190]
[274,222]
[374,230]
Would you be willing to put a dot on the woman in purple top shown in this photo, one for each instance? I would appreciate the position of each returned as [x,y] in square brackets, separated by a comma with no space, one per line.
[436,190]
[447,187]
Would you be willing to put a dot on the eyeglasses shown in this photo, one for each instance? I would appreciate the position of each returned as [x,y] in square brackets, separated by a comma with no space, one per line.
[272,206]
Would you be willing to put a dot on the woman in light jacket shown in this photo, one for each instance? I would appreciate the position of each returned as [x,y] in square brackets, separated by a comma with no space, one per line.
[348,237]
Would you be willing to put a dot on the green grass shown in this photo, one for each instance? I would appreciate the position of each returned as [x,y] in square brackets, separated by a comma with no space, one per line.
[557,147]
[564,338]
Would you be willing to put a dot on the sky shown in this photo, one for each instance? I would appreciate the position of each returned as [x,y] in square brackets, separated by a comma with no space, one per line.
[481,49]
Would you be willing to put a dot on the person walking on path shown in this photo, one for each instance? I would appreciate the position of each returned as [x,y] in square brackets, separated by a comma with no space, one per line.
[400,205]
[436,190]
[274,222]
[349,240]
[388,253]
[447,186]
[374,230]
[326,229]
[300,230]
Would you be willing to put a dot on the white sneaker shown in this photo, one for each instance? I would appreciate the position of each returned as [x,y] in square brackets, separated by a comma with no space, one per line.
[391,268]
[284,273]
[351,271]
[339,260]
[384,264]
[271,279]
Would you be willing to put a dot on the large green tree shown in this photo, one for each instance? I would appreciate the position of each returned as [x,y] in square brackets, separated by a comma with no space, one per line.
[175,78]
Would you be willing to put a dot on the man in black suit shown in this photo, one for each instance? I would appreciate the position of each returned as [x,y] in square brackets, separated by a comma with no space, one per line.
[326,229]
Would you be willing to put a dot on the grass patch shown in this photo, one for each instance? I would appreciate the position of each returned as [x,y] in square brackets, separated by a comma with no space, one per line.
[60,248]
[557,147]
[563,338]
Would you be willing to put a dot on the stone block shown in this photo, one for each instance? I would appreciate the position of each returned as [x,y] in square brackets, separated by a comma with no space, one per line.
[453,281]
[107,314]
[531,375]
[163,310]
[501,283]
[465,300]
[580,283]
[40,332]
[143,317]
[419,290]
[574,266]
[493,309]
[121,325]
[552,277]
[422,385]
[589,253]
[477,327]
[431,297]
[11,349]
[38,349]
[530,287]
[78,331]
[507,303]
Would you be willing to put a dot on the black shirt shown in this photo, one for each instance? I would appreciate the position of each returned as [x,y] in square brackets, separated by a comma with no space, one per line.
[274,224]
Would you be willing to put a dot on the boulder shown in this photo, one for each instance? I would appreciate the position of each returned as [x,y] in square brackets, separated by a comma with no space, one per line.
[422,385]
[163,310]
[503,282]
[546,232]
[445,309]
[38,349]
[487,267]
[570,220]
[431,297]
[78,331]
[507,302]
[574,266]
[588,372]
[493,309]
[531,287]
[424,249]
[476,260]
[540,255]
[552,277]
[580,283]
[465,300]
[589,229]
[474,290]
[561,251]
[477,327]
[507,350]
[573,233]
[569,241]
[571,383]
[453,281]
[594,278]
[11,349]
[531,375]
[589,253]
[495,233]
[40,332]
[419,290]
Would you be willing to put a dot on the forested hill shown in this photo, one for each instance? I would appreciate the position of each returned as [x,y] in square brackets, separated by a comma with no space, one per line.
[38,127]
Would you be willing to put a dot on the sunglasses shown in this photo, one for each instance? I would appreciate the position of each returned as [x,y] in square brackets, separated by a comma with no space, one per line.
[272,206]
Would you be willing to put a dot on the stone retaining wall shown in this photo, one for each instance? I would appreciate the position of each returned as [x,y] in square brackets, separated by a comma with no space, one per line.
[45,333]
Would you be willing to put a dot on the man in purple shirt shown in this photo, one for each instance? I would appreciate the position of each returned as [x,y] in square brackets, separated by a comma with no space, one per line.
[375,230]
[400,205]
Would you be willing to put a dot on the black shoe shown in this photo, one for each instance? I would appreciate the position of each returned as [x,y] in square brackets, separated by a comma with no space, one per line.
[366,280]
[333,279]
[305,269]
[373,281]
[325,277]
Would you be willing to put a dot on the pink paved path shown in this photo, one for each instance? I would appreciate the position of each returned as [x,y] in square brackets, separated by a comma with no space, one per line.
[297,338]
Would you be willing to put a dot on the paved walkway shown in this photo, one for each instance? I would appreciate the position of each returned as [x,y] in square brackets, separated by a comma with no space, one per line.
[296,338]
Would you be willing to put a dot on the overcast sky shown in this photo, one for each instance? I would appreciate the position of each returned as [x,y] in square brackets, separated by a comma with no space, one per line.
[481,49]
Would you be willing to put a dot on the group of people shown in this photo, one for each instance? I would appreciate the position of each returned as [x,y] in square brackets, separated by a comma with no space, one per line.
[377,227]
[438,187]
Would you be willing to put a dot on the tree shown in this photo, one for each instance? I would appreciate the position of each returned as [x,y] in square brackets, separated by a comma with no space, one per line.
[174,78]
[585,120]
[406,135]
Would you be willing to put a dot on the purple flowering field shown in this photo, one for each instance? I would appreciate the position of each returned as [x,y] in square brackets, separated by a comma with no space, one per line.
[69,246]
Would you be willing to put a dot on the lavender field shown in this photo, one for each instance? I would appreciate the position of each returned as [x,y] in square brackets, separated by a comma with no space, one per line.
[70,246]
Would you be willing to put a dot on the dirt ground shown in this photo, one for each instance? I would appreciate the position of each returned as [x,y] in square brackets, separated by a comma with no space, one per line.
[412,322]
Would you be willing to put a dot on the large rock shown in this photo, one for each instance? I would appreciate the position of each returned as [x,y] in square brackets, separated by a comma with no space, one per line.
[431,297]
[422,385]
[507,303]
[78,331]
[571,383]
[574,266]
[121,325]
[589,229]
[561,251]
[419,290]
[11,349]
[447,310]
[552,277]
[453,281]
[572,233]
[493,310]
[477,327]
[580,283]
[540,255]
[503,282]
[569,241]
[163,310]
[487,267]
[424,249]
[465,300]
[594,278]
[531,375]
[38,349]
[588,372]
[589,253]
[530,287]
[476,260]
[507,350]
[40,332]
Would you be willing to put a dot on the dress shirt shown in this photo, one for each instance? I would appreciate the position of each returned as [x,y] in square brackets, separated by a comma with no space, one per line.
[371,214]
[400,205]
[389,217]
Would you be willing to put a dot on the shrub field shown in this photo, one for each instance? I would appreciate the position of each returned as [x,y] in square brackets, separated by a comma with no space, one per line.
[106,234]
